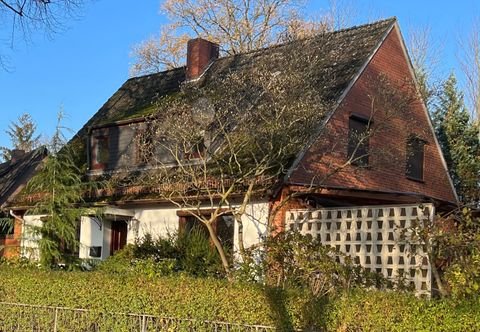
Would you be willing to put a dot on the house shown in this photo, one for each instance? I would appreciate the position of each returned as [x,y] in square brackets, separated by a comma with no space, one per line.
[14,175]
[372,164]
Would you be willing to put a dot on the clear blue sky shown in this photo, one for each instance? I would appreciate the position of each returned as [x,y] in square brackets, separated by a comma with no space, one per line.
[82,66]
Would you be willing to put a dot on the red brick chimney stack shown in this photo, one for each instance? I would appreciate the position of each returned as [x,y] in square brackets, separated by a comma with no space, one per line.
[200,53]
[16,154]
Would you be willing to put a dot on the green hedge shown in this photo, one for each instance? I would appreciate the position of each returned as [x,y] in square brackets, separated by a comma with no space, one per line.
[179,296]
[210,299]
[390,311]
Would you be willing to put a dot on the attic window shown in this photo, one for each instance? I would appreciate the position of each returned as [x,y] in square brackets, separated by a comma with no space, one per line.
[358,144]
[100,152]
[197,149]
[415,158]
[145,147]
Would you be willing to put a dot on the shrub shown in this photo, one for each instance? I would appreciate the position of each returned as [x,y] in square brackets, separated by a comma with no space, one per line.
[190,253]
[197,256]
[293,260]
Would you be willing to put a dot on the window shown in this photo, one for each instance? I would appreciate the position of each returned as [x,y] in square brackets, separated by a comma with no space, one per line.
[145,147]
[224,227]
[415,157]
[358,140]
[101,151]
[95,252]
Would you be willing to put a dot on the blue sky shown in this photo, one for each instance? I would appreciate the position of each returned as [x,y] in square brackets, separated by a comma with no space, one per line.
[83,65]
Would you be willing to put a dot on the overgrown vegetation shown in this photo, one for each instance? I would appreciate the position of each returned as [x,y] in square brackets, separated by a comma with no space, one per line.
[59,188]
[213,299]
[189,253]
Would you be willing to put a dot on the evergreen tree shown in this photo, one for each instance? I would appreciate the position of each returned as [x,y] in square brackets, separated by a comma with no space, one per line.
[458,137]
[60,189]
[22,135]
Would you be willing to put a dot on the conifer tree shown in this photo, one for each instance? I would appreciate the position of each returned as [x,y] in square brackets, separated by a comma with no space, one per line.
[22,135]
[59,186]
[458,137]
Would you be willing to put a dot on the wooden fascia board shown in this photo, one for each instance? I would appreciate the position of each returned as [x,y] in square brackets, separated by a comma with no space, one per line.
[373,194]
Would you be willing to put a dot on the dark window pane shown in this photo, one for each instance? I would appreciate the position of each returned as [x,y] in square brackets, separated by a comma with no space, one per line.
[101,152]
[225,230]
[193,224]
[145,147]
[95,252]
[415,157]
[358,141]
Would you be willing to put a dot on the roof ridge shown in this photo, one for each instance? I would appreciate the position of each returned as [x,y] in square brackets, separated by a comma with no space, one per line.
[157,73]
[355,27]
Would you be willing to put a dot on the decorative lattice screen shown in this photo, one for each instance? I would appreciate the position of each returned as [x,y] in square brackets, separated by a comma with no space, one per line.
[372,236]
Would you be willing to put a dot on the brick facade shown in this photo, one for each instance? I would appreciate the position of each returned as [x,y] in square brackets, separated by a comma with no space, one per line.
[10,244]
[392,127]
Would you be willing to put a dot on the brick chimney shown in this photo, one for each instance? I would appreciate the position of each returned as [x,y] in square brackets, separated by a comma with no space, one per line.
[200,53]
[16,154]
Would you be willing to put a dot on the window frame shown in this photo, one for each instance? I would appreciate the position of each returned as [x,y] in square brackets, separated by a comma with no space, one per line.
[186,217]
[97,164]
[144,155]
[362,151]
[415,155]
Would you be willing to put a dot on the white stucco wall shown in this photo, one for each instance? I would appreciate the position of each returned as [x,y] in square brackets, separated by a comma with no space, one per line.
[29,240]
[160,222]
[91,235]
[254,224]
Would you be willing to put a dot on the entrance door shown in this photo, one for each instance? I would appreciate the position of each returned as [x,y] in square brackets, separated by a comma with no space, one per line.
[119,236]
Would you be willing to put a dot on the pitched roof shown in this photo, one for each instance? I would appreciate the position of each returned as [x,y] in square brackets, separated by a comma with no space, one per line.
[14,175]
[341,53]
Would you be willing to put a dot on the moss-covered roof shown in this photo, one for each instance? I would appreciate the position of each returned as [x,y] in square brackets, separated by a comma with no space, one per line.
[15,174]
[341,54]
[338,57]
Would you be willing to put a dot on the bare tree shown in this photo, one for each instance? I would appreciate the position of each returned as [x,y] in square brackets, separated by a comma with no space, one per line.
[425,55]
[219,146]
[470,63]
[22,17]
[237,25]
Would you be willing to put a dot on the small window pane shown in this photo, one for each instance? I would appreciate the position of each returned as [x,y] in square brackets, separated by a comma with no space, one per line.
[101,153]
[225,230]
[358,141]
[95,252]
[415,157]
[145,146]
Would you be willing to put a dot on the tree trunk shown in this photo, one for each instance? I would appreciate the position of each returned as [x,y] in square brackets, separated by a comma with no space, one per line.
[241,245]
[436,276]
[220,249]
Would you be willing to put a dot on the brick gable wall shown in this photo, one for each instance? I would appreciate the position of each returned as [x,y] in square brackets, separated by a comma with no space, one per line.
[386,171]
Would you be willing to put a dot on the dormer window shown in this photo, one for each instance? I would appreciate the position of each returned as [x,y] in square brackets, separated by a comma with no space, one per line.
[358,145]
[100,152]
[415,158]
[145,148]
